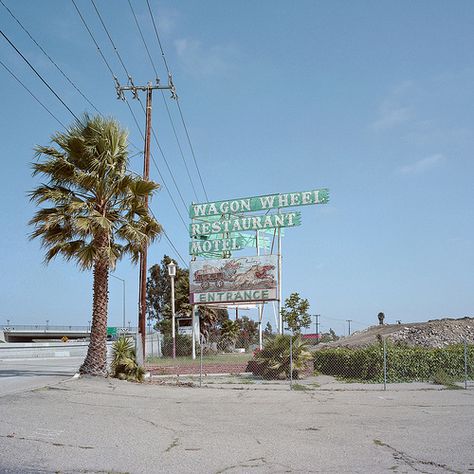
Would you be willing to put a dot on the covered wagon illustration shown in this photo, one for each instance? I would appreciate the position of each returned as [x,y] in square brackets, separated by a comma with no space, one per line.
[216,275]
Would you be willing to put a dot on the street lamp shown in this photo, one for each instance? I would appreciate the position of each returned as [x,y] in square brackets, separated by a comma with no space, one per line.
[172,274]
[123,300]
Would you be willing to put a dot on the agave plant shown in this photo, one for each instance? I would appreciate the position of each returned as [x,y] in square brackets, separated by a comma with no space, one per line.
[124,365]
[273,361]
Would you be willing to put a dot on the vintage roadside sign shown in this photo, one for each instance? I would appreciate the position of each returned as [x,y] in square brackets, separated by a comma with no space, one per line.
[197,247]
[259,203]
[240,241]
[289,219]
[233,280]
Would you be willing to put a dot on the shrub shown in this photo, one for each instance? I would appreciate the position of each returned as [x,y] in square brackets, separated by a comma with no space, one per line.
[273,361]
[184,345]
[404,363]
[124,365]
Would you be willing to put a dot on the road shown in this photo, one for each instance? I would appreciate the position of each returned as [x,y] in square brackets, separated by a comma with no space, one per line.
[99,425]
[18,375]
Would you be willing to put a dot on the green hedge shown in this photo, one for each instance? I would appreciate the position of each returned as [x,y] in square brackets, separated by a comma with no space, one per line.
[404,363]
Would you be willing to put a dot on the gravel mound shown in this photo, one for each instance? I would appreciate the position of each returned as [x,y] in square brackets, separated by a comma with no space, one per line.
[434,333]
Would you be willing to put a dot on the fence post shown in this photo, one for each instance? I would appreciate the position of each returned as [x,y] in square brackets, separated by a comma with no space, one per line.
[384,364]
[291,361]
[200,361]
[465,363]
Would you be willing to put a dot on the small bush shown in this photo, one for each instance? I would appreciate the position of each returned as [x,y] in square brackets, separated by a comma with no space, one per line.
[184,345]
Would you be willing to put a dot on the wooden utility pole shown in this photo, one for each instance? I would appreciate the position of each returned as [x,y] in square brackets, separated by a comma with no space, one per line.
[149,88]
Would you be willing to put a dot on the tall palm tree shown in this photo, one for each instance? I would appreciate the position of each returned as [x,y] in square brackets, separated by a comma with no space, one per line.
[97,214]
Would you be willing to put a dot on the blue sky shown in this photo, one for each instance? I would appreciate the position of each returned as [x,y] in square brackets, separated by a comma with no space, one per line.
[371,99]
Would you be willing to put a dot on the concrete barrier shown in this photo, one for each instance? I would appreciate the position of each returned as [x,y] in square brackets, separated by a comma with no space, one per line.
[43,350]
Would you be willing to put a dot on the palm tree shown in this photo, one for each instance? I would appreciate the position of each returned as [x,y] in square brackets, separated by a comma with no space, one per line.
[97,215]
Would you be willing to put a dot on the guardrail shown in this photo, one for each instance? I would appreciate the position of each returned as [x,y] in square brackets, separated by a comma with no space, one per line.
[52,328]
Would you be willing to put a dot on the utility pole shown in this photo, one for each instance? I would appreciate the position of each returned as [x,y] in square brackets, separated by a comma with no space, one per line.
[316,323]
[149,88]
[349,322]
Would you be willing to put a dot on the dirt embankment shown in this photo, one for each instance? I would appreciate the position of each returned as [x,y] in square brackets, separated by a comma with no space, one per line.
[433,333]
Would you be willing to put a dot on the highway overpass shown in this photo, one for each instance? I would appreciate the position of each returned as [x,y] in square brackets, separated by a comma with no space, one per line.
[31,333]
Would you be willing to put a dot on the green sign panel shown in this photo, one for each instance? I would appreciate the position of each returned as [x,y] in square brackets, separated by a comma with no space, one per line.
[214,246]
[111,331]
[259,203]
[290,219]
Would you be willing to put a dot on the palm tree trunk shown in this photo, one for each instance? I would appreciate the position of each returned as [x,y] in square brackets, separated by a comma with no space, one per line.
[95,362]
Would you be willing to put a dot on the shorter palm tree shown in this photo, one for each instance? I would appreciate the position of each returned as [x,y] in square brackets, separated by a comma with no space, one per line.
[273,361]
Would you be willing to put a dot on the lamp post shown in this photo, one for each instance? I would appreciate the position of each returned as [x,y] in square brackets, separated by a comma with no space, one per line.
[123,300]
[172,274]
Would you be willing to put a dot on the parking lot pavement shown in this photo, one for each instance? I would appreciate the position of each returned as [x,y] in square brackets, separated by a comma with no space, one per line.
[105,425]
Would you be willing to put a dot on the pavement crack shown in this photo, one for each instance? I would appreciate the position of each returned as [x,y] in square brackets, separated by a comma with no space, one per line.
[411,461]
[173,444]
[156,425]
[44,441]
[254,463]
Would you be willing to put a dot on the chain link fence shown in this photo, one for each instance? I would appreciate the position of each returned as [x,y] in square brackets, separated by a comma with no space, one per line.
[388,363]
[290,361]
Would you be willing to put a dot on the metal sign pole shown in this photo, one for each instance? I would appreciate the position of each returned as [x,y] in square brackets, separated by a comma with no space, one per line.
[280,319]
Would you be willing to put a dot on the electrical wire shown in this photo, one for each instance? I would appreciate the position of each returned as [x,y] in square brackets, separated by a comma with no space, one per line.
[164,158]
[143,38]
[165,103]
[93,39]
[39,75]
[191,148]
[143,108]
[32,95]
[49,57]
[177,100]
[110,39]
[135,120]
[126,101]
[169,240]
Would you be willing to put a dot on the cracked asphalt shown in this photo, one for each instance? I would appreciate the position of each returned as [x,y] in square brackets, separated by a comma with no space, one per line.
[108,426]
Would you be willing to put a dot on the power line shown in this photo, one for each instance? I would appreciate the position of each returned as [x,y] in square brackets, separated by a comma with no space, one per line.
[49,57]
[143,38]
[165,103]
[164,158]
[191,148]
[154,135]
[172,245]
[156,166]
[158,37]
[110,38]
[169,240]
[32,95]
[134,118]
[143,108]
[177,100]
[39,75]
[126,101]
[95,42]
[179,146]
